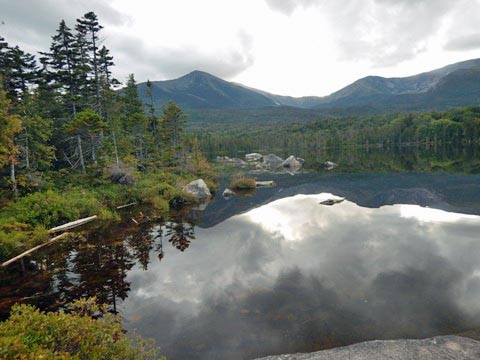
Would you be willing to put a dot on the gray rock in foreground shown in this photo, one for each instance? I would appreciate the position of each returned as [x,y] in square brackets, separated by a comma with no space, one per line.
[198,189]
[437,348]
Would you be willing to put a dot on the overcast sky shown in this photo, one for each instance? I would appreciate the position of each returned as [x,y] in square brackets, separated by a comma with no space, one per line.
[288,47]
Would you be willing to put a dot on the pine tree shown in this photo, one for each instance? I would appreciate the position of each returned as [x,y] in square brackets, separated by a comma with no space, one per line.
[87,124]
[62,61]
[173,121]
[22,72]
[88,29]
[136,123]
[34,140]
[151,110]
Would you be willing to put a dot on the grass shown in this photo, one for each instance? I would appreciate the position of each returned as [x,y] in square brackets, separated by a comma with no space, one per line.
[243,184]
[69,196]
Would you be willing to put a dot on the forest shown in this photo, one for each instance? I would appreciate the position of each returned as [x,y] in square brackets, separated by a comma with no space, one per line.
[75,142]
[457,127]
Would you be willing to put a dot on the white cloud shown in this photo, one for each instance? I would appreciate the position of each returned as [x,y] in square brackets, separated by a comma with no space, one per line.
[303,47]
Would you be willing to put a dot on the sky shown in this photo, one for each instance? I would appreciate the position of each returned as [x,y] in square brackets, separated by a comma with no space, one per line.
[286,47]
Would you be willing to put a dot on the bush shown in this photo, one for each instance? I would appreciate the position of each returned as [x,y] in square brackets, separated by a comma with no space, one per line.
[243,184]
[33,334]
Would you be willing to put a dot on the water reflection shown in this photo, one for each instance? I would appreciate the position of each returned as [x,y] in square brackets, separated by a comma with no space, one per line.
[297,276]
[289,276]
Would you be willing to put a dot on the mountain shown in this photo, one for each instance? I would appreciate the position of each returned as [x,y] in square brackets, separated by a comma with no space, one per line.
[200,90]
[453,85]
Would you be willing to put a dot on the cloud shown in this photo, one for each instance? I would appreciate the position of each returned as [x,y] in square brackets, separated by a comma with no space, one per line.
[462,43]
[31,23]
[170,62]
[287,7]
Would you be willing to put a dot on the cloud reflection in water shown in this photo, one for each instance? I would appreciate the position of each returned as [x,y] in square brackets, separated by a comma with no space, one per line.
[295,276]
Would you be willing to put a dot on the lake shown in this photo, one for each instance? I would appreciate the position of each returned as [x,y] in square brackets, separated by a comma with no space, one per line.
[277,272]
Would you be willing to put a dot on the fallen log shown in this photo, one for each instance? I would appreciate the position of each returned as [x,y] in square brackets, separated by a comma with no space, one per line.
[25,253]
[126,205]
[265,183]
[72,224]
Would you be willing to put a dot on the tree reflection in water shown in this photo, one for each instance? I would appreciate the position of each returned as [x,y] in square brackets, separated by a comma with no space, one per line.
[90,265]
[180,234]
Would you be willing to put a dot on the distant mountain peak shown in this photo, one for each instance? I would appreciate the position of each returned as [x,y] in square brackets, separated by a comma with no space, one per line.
[452,85]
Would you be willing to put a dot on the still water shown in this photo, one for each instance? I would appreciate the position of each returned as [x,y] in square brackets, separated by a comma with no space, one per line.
[277,272]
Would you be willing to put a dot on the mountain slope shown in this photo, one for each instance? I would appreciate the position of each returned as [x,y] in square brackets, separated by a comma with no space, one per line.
[199,90]
[453,85]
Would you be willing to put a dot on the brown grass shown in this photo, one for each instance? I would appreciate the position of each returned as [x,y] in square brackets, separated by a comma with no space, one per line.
[243,184]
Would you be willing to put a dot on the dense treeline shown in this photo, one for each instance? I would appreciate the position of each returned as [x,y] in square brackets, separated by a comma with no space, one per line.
[74,142]
[454,127]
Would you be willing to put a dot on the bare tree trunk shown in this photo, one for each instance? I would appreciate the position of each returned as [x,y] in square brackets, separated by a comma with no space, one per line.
[115,147]
[94,155]
[13,179]
[80,153]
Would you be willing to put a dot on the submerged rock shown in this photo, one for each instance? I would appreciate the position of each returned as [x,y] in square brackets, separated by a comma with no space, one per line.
[436,348]
[199,189]
[331,201]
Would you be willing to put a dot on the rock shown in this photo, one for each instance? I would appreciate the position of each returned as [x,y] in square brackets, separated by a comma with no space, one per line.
[121,174]
[264,183]
[234,161]
[198,189]
[291,163]
[329,165]
[227,193]
[331,201]
[436,348]
[272,161]
[253,157]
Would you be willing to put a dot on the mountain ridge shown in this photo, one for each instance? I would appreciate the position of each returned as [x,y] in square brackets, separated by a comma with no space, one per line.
[453,85]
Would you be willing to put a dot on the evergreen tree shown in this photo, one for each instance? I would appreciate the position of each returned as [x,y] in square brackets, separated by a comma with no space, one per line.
[153,118]
[88,29]
[34,140]
[22,72]
[173,121]
[86,124]
[136,122]
[63,59]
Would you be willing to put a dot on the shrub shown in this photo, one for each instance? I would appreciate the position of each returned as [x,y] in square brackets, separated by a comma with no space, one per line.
[243,184]
[33,334]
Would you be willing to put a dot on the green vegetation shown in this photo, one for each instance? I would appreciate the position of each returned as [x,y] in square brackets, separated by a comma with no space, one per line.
[453,127]
[242,184]
[72,144]
[78,334]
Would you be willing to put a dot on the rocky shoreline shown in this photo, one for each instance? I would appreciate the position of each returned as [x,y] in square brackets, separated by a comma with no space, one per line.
[449,347]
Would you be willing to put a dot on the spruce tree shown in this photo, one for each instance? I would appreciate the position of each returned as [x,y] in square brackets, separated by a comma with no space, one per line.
[88,29]
[136,123]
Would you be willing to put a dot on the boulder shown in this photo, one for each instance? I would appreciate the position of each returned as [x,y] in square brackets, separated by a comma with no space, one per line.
[329,165]
[253,157]
[291,163]
[227,193]
[120,174]
[198,189]
[272,161]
